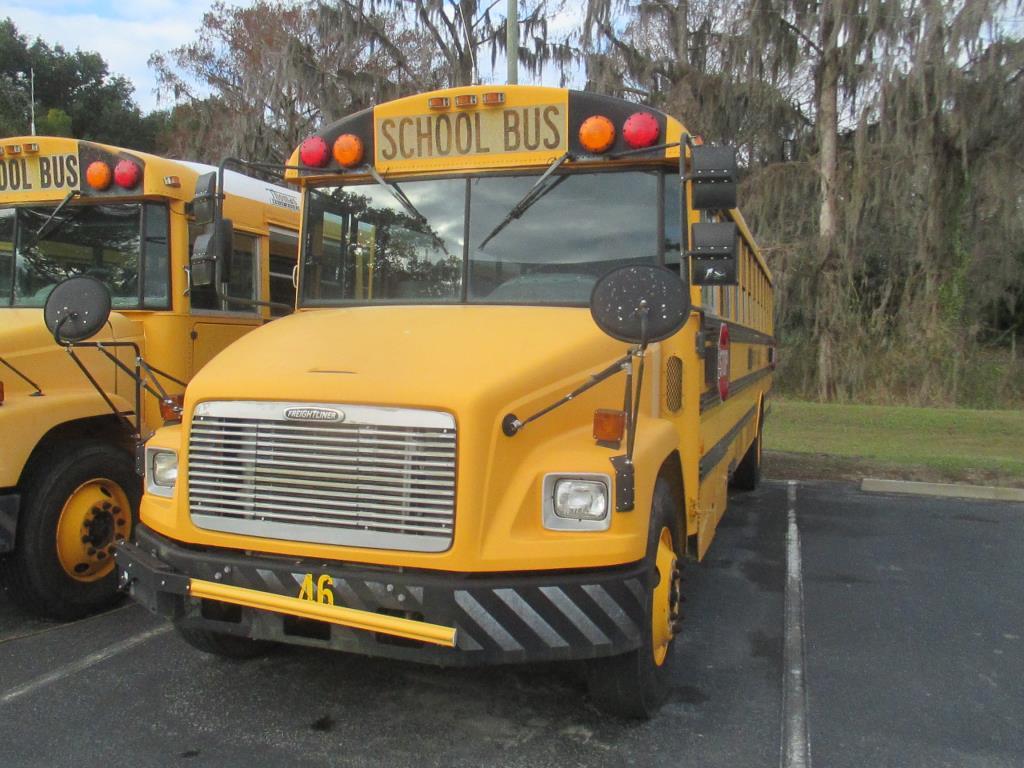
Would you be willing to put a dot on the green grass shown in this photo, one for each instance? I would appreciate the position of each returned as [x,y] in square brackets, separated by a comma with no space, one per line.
[919,443]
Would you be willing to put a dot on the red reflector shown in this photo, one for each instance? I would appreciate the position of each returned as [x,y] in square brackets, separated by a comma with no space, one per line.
[127,174]
[98,175]
[641,130]
[171,407]
[314,152]
[438,102]
[493,98]
[465,100]
[609,425]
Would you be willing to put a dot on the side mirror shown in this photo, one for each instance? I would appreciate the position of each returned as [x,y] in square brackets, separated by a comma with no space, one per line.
[713,173]
[76,309]
[640,304]
[211,248]
[715,254]
[204,202]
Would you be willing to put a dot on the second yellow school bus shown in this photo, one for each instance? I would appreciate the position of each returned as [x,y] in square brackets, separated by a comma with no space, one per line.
[68,485]
[364,475]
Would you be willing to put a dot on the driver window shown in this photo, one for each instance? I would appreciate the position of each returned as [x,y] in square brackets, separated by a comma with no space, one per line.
[6,253]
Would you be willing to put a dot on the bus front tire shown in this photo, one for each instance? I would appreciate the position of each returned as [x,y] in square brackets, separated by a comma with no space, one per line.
[636,684]
[75,506]
[220,644]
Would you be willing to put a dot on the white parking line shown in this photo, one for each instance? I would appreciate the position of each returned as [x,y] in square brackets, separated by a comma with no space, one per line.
[796,744]
[84,663]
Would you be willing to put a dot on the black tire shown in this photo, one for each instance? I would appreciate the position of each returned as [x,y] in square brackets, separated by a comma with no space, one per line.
[632,685]
[748,472]
[35,579]
[220,644]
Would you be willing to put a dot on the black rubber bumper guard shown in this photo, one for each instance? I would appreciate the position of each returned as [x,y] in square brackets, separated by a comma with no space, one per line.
[503,618]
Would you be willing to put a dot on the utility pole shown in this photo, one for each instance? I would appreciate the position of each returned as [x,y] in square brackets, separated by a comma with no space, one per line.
[512,41]
[32,97]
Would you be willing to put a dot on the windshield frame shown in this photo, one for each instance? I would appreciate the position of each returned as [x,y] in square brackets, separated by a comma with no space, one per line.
[21,232]
[659,167]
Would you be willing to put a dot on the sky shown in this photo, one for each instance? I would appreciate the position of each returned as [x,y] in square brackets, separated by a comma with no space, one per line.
[126,32]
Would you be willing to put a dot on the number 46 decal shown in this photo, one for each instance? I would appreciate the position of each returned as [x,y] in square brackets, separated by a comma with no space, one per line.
[320,592]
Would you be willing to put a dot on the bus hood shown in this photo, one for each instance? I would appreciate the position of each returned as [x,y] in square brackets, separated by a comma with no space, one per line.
[448,358]
[27,344]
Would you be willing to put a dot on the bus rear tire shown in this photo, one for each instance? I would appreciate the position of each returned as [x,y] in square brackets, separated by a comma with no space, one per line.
[75,506]
[748,472]
[220,644]
[636,684]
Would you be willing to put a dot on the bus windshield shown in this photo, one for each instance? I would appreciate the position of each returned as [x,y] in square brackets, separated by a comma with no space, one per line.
[363,245]
[124,245]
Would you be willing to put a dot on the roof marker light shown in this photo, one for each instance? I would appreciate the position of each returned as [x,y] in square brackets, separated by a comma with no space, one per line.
[127,174]
[597,134]
[1,151]
[314,152]
[493,98]
[465,100]
[439,102]
[172,181]
[348,150]
[13,149]
[98,175]
[641,130]
[31,147]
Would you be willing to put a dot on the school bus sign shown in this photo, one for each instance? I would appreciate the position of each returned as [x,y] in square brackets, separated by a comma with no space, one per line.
[500,134]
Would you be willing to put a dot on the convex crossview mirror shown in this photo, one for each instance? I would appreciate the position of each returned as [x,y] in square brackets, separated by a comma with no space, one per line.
[640,304]
[76,309]
[714,254]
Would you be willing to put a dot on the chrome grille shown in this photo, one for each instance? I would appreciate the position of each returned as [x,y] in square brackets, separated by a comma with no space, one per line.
[372,477]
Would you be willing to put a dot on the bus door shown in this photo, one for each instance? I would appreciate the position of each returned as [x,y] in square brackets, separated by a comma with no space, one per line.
[217,322]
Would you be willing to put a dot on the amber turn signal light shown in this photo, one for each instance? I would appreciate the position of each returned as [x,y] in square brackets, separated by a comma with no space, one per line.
[98,175]
[609,425]
[348,150]
[597,134]
[171,407]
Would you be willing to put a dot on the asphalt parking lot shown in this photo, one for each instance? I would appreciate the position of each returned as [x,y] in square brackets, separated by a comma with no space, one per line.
[912,655]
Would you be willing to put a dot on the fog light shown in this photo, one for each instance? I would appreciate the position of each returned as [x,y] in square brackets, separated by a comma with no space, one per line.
[581,500]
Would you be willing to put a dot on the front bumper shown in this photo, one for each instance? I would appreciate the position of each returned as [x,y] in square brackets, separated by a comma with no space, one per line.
[499,618]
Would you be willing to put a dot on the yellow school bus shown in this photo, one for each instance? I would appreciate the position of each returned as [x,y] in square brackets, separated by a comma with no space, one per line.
[68,485]
[434,458]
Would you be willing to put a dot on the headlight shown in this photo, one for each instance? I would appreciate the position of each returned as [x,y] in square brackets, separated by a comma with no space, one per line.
[576,502]
[161,471]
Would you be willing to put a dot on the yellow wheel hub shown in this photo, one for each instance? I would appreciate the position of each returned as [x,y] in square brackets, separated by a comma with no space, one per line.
[665,601]
[95,516]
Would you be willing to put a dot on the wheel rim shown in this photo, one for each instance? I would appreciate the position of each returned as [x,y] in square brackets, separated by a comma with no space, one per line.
[665,600]
[95,517]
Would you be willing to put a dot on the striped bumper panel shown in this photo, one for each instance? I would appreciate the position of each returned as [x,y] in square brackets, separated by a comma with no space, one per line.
[498,619]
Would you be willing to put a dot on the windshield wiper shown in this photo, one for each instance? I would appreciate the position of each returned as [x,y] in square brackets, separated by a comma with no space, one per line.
[40,233]
[406,203]
[533,194]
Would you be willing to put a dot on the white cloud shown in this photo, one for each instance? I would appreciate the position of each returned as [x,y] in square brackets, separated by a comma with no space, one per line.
[125,39]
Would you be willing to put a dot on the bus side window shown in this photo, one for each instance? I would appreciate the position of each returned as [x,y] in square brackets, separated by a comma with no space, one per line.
[284,248]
